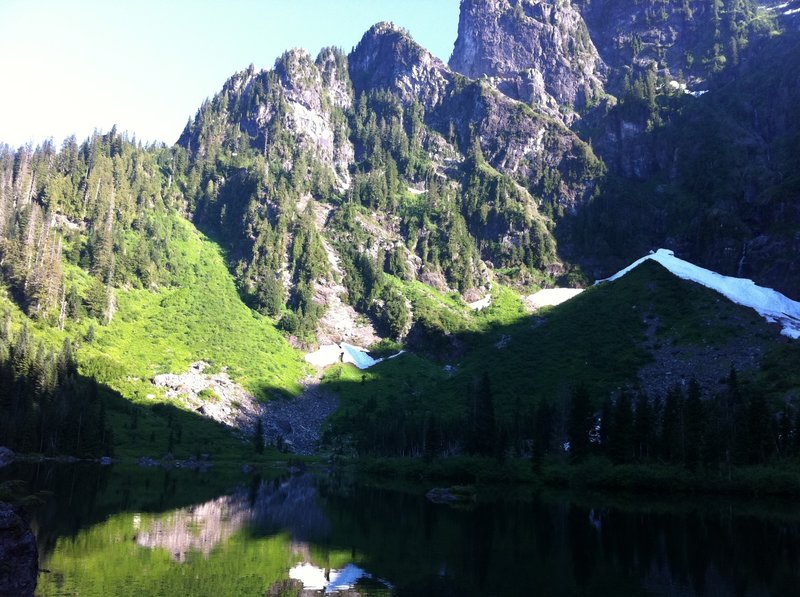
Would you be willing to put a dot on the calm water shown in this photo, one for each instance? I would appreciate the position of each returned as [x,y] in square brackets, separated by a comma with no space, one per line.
[151,532]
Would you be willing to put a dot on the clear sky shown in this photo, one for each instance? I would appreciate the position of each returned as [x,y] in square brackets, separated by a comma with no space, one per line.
[70,66]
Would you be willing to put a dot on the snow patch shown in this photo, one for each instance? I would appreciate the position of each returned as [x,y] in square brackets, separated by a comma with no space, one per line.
[770,304]
[550,297]
[331,354]
[326,355]
[358,356]
[330,581]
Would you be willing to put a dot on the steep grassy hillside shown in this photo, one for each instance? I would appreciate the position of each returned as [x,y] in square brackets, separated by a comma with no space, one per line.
[202,319]
[162,330]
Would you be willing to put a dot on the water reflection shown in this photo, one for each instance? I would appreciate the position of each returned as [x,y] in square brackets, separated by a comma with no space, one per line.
[312,535]
[267,507]
[195,529]
[329,580]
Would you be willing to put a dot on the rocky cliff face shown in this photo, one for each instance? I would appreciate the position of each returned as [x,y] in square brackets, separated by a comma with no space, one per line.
[713,179]
[388,58]
[532,50]
[515,139]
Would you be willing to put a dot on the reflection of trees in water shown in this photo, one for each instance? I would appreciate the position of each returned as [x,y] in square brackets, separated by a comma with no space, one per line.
[287,505]
[76,490]
[558,547]
[553,545]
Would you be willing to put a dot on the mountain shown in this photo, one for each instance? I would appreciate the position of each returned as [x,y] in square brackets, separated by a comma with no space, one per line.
[646,333]
[537,52]
[442,174]
[681,82]
[709,176]
[384,198]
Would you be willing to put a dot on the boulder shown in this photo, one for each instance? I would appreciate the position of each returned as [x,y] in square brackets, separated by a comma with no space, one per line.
[19,557]
[6,457]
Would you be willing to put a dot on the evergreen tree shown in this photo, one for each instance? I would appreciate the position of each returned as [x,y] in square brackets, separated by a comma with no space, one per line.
[606,424]
[484,426]
[258,437]
[760,437]
[695,423]
[542,433]
[644,428]
[672,446]
[581,424]
[622,442]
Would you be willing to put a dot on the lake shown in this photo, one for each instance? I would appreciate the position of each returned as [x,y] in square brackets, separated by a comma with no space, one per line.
[129,531]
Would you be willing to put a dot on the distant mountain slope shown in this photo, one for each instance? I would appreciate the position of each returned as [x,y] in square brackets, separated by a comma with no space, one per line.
[647,331]
[454,178]
[382,193]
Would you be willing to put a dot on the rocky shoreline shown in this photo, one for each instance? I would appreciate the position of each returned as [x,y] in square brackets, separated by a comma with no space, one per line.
[19,555]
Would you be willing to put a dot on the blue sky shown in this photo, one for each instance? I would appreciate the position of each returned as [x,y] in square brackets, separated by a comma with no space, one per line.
[146,65]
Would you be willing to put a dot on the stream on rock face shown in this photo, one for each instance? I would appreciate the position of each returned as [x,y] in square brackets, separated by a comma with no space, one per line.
[123,530]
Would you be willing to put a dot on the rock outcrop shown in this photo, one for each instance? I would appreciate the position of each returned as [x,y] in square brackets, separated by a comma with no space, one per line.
[299,97]
[213,395]
[296,424]
[514,138]
[292,424]
[6,457]
[19,557]
[388,58]
[532,50]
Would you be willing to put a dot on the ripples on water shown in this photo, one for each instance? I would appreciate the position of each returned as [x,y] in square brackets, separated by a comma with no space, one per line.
[136,532]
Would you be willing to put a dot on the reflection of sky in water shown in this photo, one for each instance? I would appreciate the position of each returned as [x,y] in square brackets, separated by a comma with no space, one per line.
[330,580]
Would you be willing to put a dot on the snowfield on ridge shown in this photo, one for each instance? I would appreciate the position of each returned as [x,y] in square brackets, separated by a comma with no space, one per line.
[769,303]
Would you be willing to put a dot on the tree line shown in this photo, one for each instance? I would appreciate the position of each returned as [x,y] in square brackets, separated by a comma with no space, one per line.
[736,427]
[687,427]
[47,406]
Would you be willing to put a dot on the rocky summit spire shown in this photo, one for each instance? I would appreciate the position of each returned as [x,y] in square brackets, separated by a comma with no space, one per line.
[538,51]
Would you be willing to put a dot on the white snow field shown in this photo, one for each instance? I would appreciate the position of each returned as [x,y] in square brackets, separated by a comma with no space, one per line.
[550,297]
[331,354]
[770,304]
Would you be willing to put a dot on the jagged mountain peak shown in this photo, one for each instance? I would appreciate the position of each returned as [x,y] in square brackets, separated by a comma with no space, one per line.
[387,27]
[387,57]
[535,51]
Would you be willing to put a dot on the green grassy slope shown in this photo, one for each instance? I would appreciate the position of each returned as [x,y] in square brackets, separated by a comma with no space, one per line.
[165,330]
[600,339]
